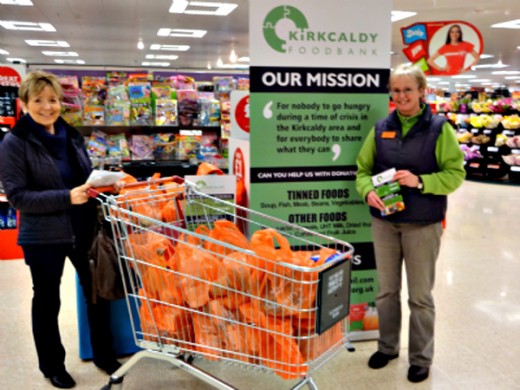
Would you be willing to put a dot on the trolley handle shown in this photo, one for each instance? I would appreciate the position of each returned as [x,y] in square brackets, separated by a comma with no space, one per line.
[94,192]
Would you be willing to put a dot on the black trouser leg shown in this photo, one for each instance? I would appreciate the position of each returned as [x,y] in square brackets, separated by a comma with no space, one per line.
[46,264]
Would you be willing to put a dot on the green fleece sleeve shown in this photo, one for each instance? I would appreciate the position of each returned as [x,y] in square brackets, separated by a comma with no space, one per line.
[451,164]
[365,164]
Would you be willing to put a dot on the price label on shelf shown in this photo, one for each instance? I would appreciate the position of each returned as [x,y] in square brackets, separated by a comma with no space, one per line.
[475,131]
[508,132]
[488,131]
[515,169]
[492,149]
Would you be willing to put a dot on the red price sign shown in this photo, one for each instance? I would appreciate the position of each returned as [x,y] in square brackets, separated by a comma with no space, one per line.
[242,113]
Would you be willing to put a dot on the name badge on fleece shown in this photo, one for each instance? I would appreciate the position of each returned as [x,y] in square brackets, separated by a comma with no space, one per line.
[388,134]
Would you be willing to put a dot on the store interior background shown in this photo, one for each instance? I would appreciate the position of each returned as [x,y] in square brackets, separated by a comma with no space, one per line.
[477,293]
[107,33]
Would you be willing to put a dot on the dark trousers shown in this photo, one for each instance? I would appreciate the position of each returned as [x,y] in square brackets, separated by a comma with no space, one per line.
[46,263]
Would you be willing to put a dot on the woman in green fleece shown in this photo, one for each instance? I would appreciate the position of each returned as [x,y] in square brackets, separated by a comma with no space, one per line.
[423,149]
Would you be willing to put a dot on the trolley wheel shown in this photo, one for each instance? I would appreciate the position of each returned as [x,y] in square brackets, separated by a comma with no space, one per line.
[189,358]
[351,348]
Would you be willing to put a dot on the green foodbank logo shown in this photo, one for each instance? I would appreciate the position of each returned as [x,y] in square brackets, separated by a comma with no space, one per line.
[302,40]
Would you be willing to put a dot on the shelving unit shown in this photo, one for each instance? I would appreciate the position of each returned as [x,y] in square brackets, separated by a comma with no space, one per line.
[485,154]
[146,168]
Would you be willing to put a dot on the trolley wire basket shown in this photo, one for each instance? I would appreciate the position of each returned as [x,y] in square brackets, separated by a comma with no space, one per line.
[226,283]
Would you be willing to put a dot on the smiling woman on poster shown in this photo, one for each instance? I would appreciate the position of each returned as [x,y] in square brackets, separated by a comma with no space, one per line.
[455,51]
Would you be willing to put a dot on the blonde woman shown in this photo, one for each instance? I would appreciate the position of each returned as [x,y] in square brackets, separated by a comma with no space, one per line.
[423,149]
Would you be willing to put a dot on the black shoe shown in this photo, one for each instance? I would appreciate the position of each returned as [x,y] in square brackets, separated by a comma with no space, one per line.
[418,374]
[380,359]
[63,380]
[109,367]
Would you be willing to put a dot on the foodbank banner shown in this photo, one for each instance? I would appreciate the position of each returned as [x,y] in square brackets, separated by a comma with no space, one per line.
[319,74]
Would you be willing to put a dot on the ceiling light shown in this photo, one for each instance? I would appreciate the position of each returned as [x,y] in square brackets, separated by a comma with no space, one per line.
[171,57]
[179,32]
[26,26]
[510,24]
[217,9]
[512,77]
[16,60]
[60,53]
[479,80]
[209,65]
[77,62]
[16,2]
[233,56]
[400,15]
[157,46]
[4,52]
[463,76]
[444,82]
[220,63]
[234,66]
[37,42]
[140,44]
[484,56]
[146,63]
[499,64]
[506,72]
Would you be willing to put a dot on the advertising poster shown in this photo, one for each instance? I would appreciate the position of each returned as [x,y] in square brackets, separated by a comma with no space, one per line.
[239,167]
[444,48]
[319,75]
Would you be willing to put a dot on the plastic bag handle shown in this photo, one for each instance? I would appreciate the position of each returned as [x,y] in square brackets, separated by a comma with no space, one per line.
[94,192]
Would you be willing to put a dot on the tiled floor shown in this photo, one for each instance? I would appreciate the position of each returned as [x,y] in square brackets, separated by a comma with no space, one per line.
[477,333]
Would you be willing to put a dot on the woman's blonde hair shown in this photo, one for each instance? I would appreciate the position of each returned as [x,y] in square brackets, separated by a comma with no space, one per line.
[411,71]
[34,83]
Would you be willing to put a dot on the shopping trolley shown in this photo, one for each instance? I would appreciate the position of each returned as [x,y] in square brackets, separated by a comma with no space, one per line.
[207,278]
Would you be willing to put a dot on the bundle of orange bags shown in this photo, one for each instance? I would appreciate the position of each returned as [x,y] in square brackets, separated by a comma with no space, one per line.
[247,305]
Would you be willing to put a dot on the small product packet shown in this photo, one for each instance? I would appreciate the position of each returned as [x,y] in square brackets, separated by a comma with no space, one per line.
[389,191]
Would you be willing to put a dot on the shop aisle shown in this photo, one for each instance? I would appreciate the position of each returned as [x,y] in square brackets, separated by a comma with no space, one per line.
[478,318]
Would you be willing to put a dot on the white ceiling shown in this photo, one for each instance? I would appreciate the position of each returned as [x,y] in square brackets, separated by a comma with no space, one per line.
[106,32]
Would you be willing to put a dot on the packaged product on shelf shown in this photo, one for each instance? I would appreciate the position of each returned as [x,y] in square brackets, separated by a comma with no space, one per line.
[116,78]
[165,146]
[142,147]
[10,218]
[140,114]
[209,111]
[140,104]
[243,84]
[223,87]
[166,112]
[187,146]
[94,90]
[97,144]
[389,191]
[72,106]
[225,118]
[117,106]
[188,106]
[181,82]
[118,114]
[161,91]
[93,115]
[3,218]
[117,146]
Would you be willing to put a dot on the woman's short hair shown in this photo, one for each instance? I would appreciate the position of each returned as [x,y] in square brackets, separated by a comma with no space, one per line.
[34,83]
[410,71]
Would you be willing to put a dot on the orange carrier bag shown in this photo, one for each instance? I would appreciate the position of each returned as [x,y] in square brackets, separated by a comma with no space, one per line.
[273,341]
